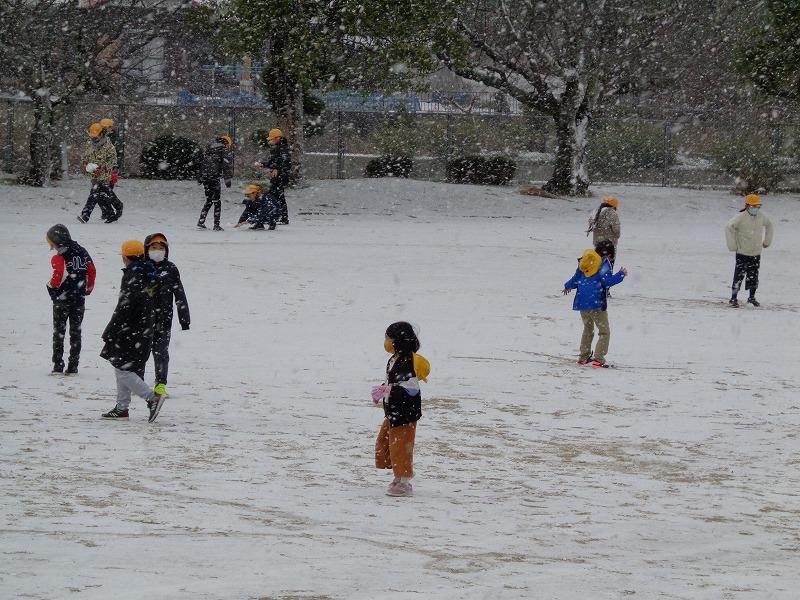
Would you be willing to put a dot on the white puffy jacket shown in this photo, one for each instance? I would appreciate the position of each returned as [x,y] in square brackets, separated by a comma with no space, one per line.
[744,233]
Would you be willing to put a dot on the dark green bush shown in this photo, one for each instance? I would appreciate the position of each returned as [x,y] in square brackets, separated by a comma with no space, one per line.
[389,166]
[620,149]
[170,157]
[750,159]
[478,170]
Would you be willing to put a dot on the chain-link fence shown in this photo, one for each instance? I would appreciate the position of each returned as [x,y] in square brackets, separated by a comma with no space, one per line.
[341,141]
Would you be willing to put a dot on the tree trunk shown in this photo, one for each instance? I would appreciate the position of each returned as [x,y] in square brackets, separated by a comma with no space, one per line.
[290,119]
[41,140]
[570,176]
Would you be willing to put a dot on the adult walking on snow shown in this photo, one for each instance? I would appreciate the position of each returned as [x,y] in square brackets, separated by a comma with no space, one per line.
[216,162]
[279,164]
[605,228]
[747,234]
[100,161]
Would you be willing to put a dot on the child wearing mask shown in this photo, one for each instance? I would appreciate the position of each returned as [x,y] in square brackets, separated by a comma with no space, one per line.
[402,406]
[747,234]
[170,289]
[128,336]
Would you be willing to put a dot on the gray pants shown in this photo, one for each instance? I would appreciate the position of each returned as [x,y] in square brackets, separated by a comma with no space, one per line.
[127,382]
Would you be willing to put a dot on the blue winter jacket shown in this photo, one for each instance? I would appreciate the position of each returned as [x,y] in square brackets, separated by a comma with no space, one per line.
[591,294]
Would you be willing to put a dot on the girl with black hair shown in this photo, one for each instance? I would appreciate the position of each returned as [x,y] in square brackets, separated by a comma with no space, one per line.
[402,407]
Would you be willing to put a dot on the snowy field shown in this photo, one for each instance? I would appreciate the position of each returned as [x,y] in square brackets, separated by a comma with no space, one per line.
[675,475]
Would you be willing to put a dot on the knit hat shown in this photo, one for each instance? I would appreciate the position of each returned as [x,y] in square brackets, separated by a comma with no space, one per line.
[752,200]
[58,235]
[590,263]
[611,201]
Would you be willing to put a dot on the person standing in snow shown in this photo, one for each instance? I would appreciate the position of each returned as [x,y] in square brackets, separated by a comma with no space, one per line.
[111,135]
[71,281]
[170,289]
[747,234]
[128,336]
[592,278]
[402,406]
[99,161]
[279,165]
[216,161]
[605,228]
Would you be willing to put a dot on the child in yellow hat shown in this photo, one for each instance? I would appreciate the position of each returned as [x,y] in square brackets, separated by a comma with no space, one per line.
[592,278]
[402,406]
[259,208]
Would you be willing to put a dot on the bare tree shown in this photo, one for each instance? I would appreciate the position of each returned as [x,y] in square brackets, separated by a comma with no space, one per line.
[58,51]
[564,58]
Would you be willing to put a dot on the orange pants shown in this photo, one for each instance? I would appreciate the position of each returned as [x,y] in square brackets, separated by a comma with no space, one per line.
[394,448]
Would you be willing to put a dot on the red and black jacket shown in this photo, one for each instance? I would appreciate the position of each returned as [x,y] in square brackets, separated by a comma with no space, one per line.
[73,274]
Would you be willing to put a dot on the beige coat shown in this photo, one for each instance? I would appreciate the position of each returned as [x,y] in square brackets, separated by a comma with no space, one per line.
[745,233]
[105,157]
[608,227]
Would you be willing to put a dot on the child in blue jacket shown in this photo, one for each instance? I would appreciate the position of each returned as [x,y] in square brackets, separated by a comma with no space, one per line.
[592,279]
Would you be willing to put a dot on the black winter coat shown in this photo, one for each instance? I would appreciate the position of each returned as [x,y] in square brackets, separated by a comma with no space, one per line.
[403,406]
[280,159]
[170,288]
[216,162]
[128,336]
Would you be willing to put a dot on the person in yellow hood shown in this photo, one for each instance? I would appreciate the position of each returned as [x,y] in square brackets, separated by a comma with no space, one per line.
[592,279]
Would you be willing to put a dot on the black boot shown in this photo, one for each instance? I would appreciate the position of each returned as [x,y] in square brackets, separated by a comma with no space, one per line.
[752,300]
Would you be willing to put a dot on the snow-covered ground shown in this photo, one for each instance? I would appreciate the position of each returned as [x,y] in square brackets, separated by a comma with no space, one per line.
[673,476]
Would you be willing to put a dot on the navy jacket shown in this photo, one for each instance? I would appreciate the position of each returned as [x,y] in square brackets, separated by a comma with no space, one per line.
[216,162]
[404,403]
[73,274]
[280,159]
[128,336]
[591,294]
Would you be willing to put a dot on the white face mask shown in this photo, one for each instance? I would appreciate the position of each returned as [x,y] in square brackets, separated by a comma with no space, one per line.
[753,210]
[157,255]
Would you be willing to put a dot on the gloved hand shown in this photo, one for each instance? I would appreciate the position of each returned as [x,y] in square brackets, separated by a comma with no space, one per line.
[91,167]
[227,183]
[378,392]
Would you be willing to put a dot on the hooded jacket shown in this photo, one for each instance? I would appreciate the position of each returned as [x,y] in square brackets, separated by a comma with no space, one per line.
[73,270]
[105,157]
[216,162]
[280,159]
[170,288]
[128,336]
[403,404]
[605,225]
[591,294]
[748,235]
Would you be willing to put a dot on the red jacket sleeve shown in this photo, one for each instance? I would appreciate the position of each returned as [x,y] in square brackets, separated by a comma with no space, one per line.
[59,270]
[91,272]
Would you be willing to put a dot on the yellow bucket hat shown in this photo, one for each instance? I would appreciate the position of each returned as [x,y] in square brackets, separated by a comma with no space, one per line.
[590,263]
[421,367]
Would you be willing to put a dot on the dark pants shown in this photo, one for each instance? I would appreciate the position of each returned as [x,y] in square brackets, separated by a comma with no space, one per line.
[63,312]
[277,192]
[607,250]
[746,266]
[213,191]
[161,340]
[102,194]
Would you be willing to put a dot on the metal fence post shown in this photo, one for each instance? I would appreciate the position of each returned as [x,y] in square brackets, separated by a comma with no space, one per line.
[8,150]
[339,146]
[667,144]
[122,132]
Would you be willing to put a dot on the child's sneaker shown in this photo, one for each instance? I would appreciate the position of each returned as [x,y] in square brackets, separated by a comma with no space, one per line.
[72,369]
[752,300]
[599,364]
[400,490]
[201,226]
[395,481]
[116,413]
[218,228]
[157,401]
[58,368]
[585,361]
[734,303]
